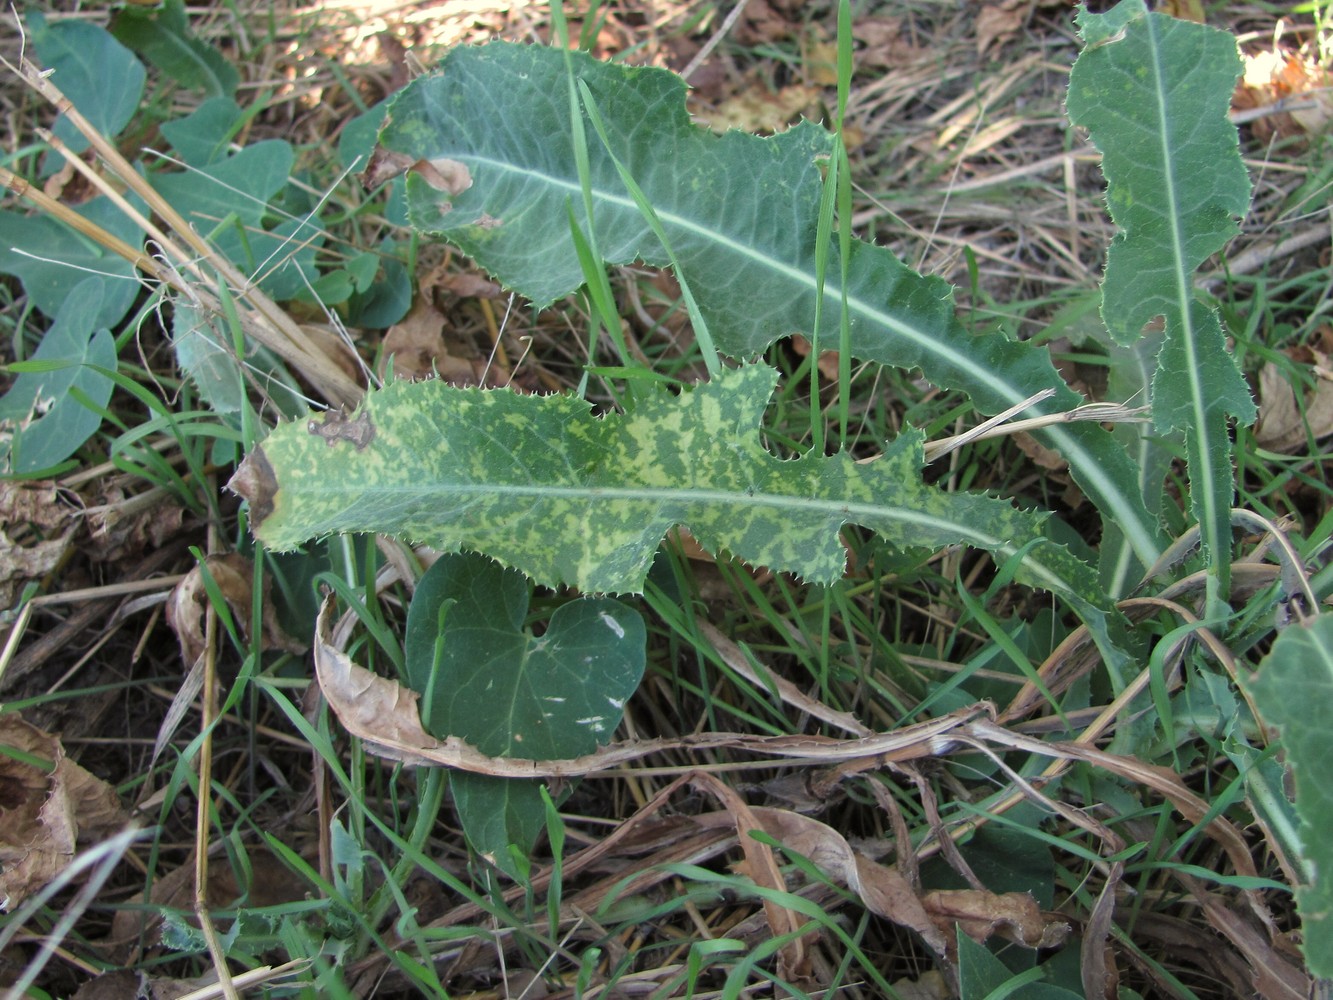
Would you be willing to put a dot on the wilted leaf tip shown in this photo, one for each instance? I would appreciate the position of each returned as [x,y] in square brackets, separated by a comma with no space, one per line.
[255,483]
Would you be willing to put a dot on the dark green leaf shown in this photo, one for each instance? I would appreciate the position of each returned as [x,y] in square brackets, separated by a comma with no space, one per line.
[100,76]
[49,257]
[1293,689]
[162,36]
[41,423]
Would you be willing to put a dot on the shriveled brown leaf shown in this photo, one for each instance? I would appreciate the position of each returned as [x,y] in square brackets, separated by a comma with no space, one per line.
[1282,425]
[332,342]
[758,109]
[120,984]
[1047,458]
[1184,10]
[795,962]
[884,890]
[930,985]
[1292,78]
[271,883]
[383,714]
[234,576]
[828,360]
[884,44]
[999,22]
[760,23]
[122,526]
[29,511]
[416,345]
[1274,975]
[982,915]
[384,166]
[45,816]
[469,285]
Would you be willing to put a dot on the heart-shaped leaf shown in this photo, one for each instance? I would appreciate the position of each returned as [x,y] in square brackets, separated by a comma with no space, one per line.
[484,678]
[50,412]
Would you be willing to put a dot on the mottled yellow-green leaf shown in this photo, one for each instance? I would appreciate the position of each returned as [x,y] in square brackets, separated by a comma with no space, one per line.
[541,484]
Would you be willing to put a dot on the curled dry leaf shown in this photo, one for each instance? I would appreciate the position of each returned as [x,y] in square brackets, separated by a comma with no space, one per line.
[34,506]
[449,176]
[795,963]
[982,915]
[45,815]
[269,882]
[417,347]
[384,714]
[234,576]
[384,166]
[1283,425]
[888,893]
[122,526]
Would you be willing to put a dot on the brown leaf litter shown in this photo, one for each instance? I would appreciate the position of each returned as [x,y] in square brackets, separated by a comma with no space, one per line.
[49,807]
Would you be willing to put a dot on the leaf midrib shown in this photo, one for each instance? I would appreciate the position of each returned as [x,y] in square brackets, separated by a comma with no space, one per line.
[1184,301]
[850,512]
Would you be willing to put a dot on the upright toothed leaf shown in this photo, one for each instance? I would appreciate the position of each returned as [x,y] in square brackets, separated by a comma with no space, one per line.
[540,484]
[495,173]
[1292,689]
[1154,92]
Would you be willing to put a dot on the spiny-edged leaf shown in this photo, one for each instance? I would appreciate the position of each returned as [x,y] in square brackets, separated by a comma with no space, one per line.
[205,353]
[497,175]
[1154,93]
[540,484]
[1294,689]
[483,678]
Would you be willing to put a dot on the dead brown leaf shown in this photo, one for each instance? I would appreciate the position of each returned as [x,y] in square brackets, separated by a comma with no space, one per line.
[1183,10]
[760,24]
[998,23]
[884,890]
[888,893]
[234,576]
[271,883]
[1292,79]
[1047,458]
[45,815]
[470,285]
[883,43]
[828,360]
[1282,425]
[416,345]
[795,962]
[1014,916]
[29,511]
[122,526]
[758,109]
